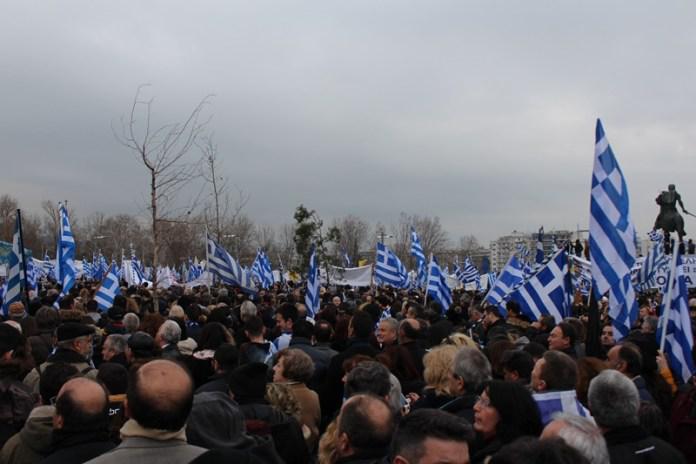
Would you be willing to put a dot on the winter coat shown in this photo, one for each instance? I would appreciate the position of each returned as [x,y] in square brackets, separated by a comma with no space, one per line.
[33,442]
[634,445]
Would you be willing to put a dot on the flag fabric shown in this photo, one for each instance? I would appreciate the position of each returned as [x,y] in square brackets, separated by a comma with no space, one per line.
[564,401]
[581,274]
[547,292]
[108,290]
[15,273]
[65,259]
[655,259]
[656,236]
[224,266]
[261,269]
[679,339]
[468,273]
[511,275]
[539,257]
[313,284]
[491,278]
[417,252]
[554,243]
[87,271]
[438,289]
[522,251]
[612,237]
[346,258]
[388,268]
[33,274]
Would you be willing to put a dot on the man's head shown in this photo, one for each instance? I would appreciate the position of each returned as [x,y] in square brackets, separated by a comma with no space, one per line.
[517,366]
[16,311]
[365,423]
[408,330]
[285,317]
[387,331]
[53,377]
[10,340]
[554,371]
[613,400]
[625,358]
[649,325]
[160,395]
[247,310]
[76,337]
[131,322]
[169,333]
[580,433]
[491,315]
[562,336]
[430,436]
[113,346]
[361,325]
[469,371]
[368,377]
[254,328]
[81,405]
[607,337]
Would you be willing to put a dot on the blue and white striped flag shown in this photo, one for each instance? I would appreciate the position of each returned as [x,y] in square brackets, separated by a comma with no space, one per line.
[612,237]
[48,267]
[438,289]
[511,275]
[491,278]
[522,251]
[388,269]
[313,284]
[346,258]
[655,259]
[65,259]
[581,274]
[261,269]
[87,271]
[417,252]
[679,339]
[656,236]
[548,291]
[33,274]
[554,243]
[15,273]
[468,273]
[108,290]
[565,401]
[539,257]
[224,266]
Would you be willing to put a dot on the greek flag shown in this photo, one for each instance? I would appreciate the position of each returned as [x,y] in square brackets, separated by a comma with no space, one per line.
[679,339]
[581,274]
[554,243]
[511,275]
[417,252]
[48,267]
[108,289]
[33,272]
[522,251]
[388,268]
[656,236]
[655,259]
[15,273]
[566,401]
[223,265]
[612,237]
[491,278]
[468,273]
[438,289]
[87,270]
[539,257]
[65,259]
[548,291]
[194,271]
[313,283]
[261,270]
[346,258]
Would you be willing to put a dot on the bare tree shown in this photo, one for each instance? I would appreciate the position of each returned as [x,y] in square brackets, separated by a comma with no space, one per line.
[433,237]
[8,213]
[163,151]
[354,235]
[468,244]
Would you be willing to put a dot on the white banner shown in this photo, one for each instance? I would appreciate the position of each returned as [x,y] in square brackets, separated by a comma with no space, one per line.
[353,276]
[689,265]
[206,278]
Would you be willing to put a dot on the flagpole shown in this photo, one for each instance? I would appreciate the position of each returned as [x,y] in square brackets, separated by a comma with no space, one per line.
[21,251]
[668,304]
[427,280]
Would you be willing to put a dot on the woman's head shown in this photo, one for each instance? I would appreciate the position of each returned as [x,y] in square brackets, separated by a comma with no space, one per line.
[438,364]
[505,411]
[293,365]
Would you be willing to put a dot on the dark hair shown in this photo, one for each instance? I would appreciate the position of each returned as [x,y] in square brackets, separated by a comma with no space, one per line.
[227,356]
[75,419]
[362,324]
[549,322]
[421,424]
[518,361]
[560,372]
[302,329]
[530,450]
[568,331]
[114,377]
[46,318]
[288,312]
[212,336]
[513,307]
[164,413]
[535,349]
[364,430]
[368,377]
[630,354]
[416,308]
[374,310]
[254,325]
[519,414]
[323,331]
[52,379]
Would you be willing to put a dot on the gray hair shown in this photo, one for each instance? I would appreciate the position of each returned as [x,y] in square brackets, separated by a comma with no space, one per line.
[393,323]
[223,293]
[613,400]
[247,310]
[117,343]
[170,332]
[583,435]
[472,366]
[131,321]
[651,322]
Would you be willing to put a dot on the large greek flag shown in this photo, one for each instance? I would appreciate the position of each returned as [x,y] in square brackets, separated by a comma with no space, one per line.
[511,275]
[224,266]
[679,340]
[612,237]
[388,268]
[108,290]
[15,274]
[437,285]
[65,259]
[313,284]
[261,269]
[548,291]
[417,252]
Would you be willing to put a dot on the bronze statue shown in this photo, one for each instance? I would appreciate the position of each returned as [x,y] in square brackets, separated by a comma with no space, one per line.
[669,219]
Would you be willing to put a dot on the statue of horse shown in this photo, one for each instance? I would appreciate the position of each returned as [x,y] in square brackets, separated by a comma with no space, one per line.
[669,220]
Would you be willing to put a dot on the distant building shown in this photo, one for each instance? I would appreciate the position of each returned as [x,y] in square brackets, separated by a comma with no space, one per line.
[503,247]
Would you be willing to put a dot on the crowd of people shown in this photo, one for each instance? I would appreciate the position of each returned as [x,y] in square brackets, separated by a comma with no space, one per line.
[377,375]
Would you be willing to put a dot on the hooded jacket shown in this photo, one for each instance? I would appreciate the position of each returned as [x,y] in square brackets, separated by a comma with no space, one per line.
[33,442]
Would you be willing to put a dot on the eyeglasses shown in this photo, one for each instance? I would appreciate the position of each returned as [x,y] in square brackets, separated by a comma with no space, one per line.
[484,402]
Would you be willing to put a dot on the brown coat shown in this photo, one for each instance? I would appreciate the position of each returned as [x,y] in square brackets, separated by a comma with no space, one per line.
[311,411]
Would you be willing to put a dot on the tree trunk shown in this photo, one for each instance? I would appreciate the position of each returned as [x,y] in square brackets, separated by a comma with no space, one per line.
[155,238]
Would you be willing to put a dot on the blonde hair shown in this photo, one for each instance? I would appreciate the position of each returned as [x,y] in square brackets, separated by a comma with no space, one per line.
[459,339]
[438,365]
[281,396]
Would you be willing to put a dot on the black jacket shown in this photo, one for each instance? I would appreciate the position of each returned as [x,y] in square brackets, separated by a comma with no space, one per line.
[633,445]
[76,448]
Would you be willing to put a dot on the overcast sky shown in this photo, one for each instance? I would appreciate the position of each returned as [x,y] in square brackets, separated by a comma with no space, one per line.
[481,113]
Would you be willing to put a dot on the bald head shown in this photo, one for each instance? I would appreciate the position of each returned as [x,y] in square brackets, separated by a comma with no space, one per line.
[408,330]
[160,395]
[82,404]
[366,422]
